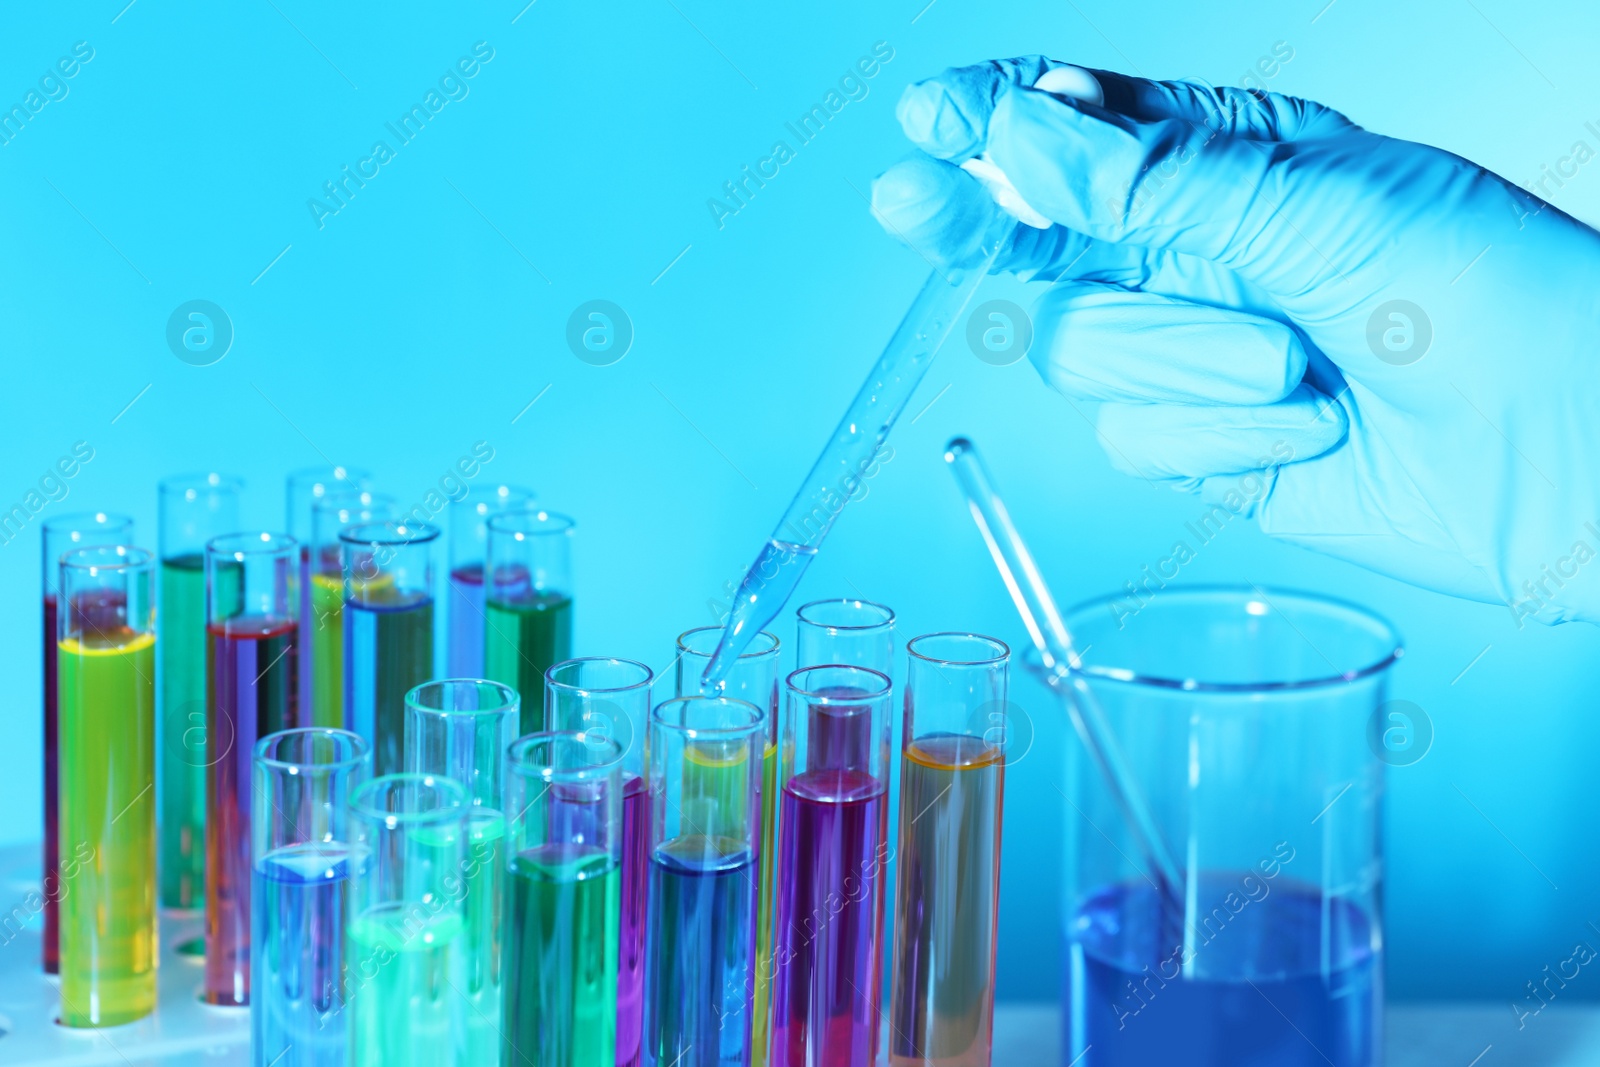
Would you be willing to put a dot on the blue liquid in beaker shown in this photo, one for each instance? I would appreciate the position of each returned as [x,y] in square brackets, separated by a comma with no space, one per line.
[1279,975]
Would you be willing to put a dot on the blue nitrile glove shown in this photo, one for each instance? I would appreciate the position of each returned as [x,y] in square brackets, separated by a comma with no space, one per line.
[1399,341]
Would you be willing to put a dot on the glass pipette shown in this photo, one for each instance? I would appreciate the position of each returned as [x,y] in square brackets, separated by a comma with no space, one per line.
[1061,667]
[849,453]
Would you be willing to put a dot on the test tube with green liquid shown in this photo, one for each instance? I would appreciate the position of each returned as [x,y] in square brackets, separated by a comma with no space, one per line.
[565,883]
[106,668]
[404,944]
[528,613]
[462,728]
[194,509]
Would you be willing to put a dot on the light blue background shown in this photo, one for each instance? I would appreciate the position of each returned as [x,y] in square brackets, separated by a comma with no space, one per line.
[431,310]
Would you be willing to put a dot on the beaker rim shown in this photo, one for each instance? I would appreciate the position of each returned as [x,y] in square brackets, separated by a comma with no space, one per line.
[83,521]
[1255,600]
[996,650]
[449,796]
[605,756]
[251,543]
[389,534]
[418,696]
[205,481]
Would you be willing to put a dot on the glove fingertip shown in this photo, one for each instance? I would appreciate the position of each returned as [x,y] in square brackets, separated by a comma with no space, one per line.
[935,121]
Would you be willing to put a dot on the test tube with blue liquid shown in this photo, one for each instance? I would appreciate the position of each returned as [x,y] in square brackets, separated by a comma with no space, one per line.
[404,952]
[469,551]
[832,850]
[323,657]
[461,729]
[610,698]
[754,677]
[564,895]
[388,630]
[300,899]
[705,776]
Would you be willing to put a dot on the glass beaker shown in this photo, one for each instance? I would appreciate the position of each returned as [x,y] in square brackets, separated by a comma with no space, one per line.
[1244,715]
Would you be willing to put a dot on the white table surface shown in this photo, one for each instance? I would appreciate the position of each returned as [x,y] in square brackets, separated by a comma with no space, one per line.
[184,1032]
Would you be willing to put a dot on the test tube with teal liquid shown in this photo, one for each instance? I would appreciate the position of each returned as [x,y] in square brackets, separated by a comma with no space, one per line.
[565,883]
[528,609]
[462,729]
[305,487]
[59,536]
[194,509]
[388,630]
[324,637]
[611,698]
[469,551]
[404,955]
[706,837]
[754,678]
[106,671]
[252,675]
[300,896]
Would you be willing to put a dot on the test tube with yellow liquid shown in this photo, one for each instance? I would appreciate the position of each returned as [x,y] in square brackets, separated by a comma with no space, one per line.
[106,669]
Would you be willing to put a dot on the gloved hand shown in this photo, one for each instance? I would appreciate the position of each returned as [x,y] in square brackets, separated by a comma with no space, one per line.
[1401,343]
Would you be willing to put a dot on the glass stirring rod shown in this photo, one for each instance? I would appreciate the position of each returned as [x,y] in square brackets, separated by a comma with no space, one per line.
[849,453]
[1062,668]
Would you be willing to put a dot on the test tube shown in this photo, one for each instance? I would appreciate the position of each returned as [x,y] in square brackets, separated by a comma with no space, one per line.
[194,509]
[106,644]
[858,633]
[324,657]
[306,486]
[827,981]
[253,673]
[754,677]
[403,948]
[528,614]
[301,849]
[700,984]
[565,888]
[952,784]
[60,535]
[388,630]
[469,548]
[461,729]
[611,698]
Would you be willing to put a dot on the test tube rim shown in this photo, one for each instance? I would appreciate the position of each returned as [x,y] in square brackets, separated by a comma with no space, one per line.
[1267,594]
[211,481]
[326,500]
[749,653]
[131,558]
[511,700]
[554,523]
[73,522]
[815,697]
[425,533]
[755,726]
[886,623]
[256,544]
[566,687]
[453,790]
[474,498]
[1002,655]
[363,751]
[349,474]
[518,763]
